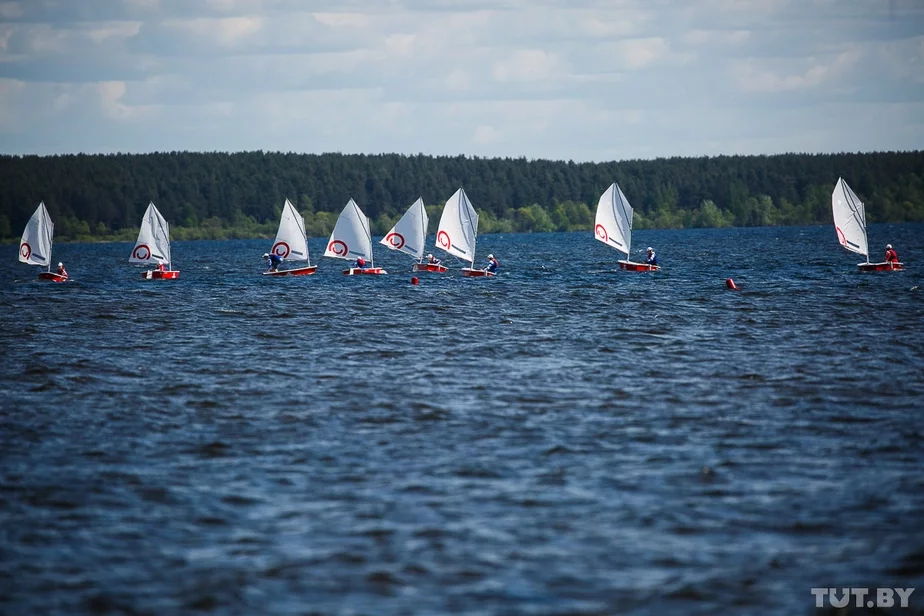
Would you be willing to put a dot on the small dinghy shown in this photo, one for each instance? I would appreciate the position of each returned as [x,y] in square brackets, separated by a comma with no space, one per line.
[429,267]
[352,239]
[613,227]
[35,245]
[153,246]
[458,230]
[291,243]
[850,226]
[409,236]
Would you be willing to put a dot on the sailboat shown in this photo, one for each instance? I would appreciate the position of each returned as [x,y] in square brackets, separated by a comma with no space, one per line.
[613,227]
[292,242]
[458,230]
[153,246]
[409,236]
[35,246]
[351,239]
[850,225]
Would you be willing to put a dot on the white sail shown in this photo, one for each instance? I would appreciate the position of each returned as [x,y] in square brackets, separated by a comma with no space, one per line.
[613,223]
[410,233]
[291,241]
[351,237]
[153,245]
[35,246]
[458,227]
[849,218]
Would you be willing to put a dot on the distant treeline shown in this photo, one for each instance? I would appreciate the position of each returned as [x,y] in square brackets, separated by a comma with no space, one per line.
[221,195]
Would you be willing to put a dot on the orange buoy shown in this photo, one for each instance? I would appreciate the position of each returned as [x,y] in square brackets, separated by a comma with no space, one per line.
[414,280]
[731,284]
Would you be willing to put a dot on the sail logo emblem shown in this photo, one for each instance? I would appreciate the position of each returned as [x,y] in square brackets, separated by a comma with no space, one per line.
[442,238]
[338,247]
[395,240]
[601,233]
[25,250]
[840,236]
[141,252]
[280,249]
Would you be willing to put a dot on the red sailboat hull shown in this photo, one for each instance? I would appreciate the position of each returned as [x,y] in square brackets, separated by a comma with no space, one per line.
[429,267]
[476,273]
[298,271]
[630,266]
[885,266]
[356,271]
[160,275]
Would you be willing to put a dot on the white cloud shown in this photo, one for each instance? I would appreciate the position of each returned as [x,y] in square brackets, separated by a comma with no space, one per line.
[527,65]
[715,37]
[458,80]
[755,77]
[226,31]
[616,26]
[6,31]
[638,53]
[116,30]
[110,96]
[485,134]
[400,44]
[11,103]
[344,20]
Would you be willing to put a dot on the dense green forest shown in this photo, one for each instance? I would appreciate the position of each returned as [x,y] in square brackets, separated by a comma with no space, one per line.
[222,195]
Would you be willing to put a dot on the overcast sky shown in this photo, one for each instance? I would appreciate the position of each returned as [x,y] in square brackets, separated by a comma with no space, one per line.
[586,80]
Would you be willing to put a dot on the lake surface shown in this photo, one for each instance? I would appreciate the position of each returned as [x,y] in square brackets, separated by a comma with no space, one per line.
[563,439]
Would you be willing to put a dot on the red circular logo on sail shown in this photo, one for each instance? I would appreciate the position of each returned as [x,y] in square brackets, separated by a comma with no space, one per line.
[338,247]
[141,252]
[25,250]
[395,240]
[840,236]
[442,238]
[600,231]
[280,249]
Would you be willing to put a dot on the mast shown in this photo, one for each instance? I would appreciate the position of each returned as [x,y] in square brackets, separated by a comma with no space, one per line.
[305,236]
[474,224]
[50,231]
[423,223]
[369,235]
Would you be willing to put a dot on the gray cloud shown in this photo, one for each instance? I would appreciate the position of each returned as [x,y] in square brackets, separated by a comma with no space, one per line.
[578,79]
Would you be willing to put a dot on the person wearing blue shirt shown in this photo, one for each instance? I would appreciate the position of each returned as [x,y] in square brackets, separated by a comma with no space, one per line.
[492,264]
[360,263]
[652,258]
[274,261]
[431,260]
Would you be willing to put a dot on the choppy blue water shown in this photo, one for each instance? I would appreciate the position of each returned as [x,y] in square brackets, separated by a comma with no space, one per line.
[563,439]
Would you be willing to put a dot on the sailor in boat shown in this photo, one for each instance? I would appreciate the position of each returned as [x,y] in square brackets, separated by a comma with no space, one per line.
[431,260]
[652,258]
[891,256]
[161,266]
[360,263]
[61,271]
[274,261]
[493,264]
